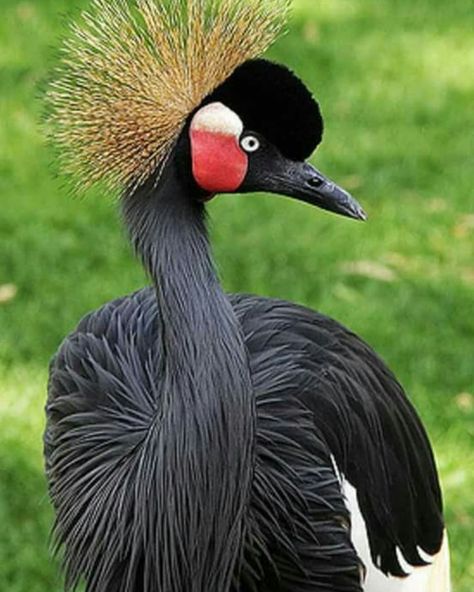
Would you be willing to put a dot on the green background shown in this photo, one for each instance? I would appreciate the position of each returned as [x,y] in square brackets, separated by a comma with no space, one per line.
[395,81]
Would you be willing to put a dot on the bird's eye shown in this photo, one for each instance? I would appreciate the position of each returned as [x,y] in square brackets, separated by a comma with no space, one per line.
[250,143]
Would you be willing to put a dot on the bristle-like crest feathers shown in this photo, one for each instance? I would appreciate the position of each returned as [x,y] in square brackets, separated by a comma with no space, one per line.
[131,73]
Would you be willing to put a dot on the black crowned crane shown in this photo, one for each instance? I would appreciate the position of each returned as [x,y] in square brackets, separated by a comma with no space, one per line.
[198,441]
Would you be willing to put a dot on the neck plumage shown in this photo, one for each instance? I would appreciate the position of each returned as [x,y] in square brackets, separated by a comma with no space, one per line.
[206,404]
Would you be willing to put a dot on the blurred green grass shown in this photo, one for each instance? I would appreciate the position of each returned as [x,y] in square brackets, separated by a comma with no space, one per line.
[395,83]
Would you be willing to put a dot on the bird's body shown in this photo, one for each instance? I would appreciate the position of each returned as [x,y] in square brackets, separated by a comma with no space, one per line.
[201,442]
[325,406]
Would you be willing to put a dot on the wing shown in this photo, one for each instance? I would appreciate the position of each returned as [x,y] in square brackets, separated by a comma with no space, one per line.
[362,413]
[298,524]
[102,398]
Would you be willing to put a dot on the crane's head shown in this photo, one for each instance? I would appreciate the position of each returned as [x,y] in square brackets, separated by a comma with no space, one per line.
[255,132]
[141,81]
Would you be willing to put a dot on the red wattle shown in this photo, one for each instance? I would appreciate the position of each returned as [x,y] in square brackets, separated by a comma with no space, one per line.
[219,163]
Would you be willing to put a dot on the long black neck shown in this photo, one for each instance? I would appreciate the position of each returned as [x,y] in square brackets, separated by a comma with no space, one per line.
[206,404]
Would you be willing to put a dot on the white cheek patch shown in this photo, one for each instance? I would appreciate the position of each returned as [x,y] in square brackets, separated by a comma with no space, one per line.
[216,118]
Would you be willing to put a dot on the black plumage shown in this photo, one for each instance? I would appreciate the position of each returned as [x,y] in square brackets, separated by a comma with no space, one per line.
[263,93]
[319,390]
[297,526]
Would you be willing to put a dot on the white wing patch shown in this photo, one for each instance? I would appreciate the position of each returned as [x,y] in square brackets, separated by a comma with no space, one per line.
[430,578]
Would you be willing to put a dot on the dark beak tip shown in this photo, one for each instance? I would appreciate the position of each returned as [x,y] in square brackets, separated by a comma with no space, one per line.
[352,209]
[332,197]
[362,216]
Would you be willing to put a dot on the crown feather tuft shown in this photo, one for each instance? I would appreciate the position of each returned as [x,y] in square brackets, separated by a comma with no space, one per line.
[131,74]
